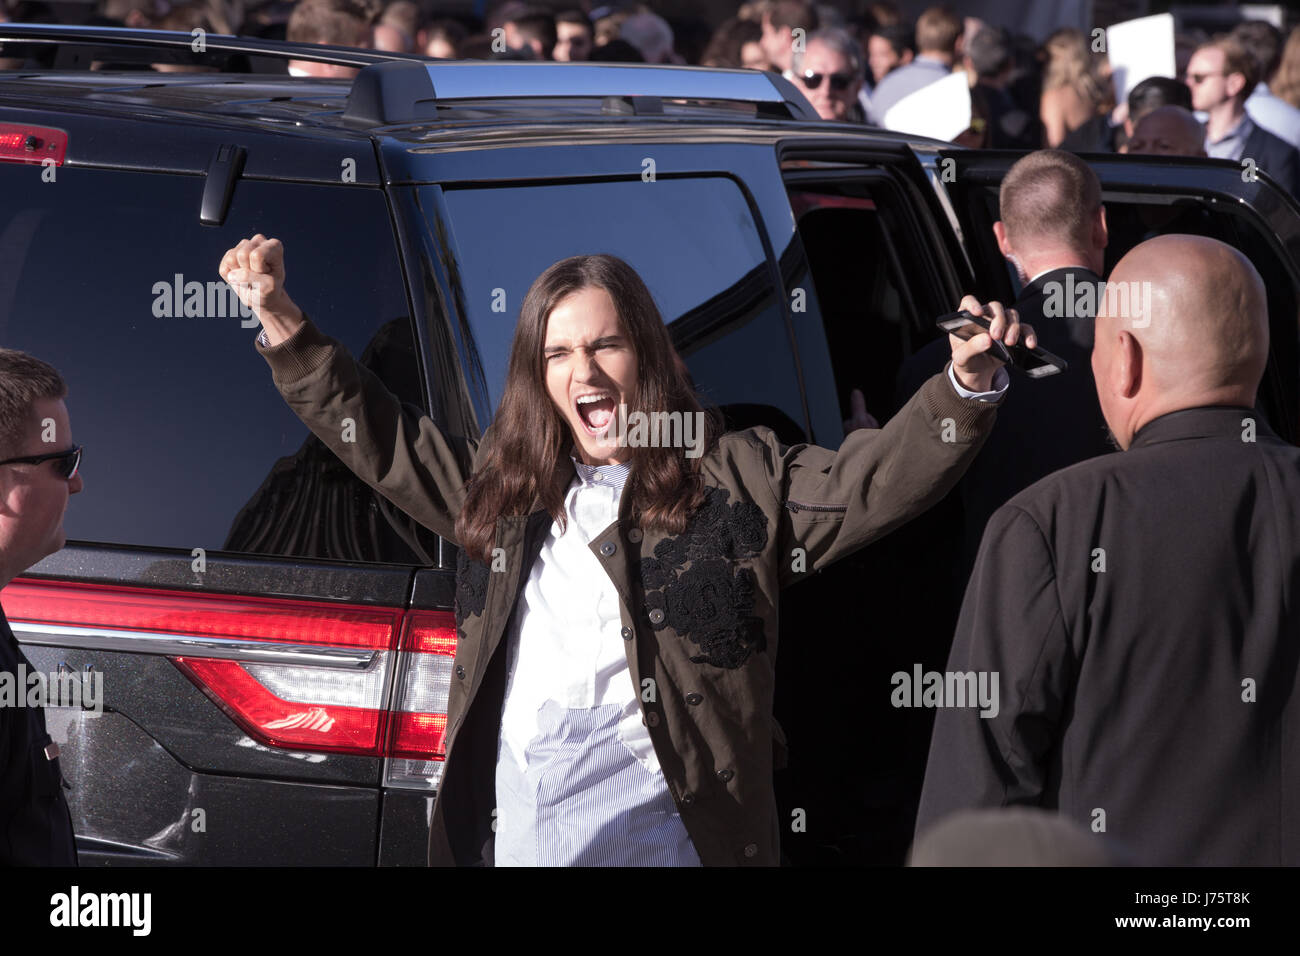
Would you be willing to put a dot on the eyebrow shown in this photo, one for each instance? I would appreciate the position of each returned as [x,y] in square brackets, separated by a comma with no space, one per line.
[595,344]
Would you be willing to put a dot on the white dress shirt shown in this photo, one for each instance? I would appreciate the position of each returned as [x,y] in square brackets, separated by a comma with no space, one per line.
[578,782]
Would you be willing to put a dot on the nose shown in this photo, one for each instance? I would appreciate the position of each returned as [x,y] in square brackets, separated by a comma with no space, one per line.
[74,484]
[586,370]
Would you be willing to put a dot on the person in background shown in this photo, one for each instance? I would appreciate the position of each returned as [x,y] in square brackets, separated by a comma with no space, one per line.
[573,36]
[889,47]
[1074,92]
[829,73]
[1263,42]
[937,31]
[1286,82]
[398,29]
[1168,131]
[779,23]
[651,35]
[531,30]
[987,61]
[332,22]
[736,44]
[445,38]
[1052,231]
[1221,75]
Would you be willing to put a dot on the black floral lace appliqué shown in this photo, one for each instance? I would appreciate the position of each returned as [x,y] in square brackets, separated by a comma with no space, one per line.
[710,602]
[471,589]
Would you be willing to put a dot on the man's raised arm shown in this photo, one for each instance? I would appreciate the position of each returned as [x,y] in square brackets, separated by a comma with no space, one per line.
[393,448]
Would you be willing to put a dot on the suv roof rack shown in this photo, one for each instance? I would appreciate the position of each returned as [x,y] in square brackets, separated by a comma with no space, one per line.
[76,47]
[391,93]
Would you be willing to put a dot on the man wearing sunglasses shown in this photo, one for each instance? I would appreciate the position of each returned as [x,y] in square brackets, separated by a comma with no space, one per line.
[38,471]
[829,73]
[1221,75]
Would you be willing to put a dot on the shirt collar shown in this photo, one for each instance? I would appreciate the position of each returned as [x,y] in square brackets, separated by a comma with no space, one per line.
[1207,421]
[1242,130]
[592,476]
[1047,272]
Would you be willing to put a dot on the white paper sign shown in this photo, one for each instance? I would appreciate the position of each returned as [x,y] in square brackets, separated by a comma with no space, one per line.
[940,110]
[1139,49]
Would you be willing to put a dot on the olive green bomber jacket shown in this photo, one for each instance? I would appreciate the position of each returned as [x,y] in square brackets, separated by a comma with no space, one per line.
[699,610]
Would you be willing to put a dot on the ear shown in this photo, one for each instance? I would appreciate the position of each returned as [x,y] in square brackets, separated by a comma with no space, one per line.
[1126,370]
[1234,83]
[1100,232]
[906,58]
[1000,233]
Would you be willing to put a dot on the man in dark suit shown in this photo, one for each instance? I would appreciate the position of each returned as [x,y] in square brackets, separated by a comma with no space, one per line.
[38,471]
[1142,610]
[1222,75]
[1053,232]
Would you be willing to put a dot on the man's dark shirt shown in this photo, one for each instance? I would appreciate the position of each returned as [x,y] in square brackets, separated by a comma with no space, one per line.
[35,825]
[1142,613]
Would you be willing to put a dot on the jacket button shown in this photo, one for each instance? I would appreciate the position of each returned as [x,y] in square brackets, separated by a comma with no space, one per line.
[460,671]
[751,850]
[694,699]
[726,775]
[657,615]
[608,548]
[652,718]
[634,536]
[688,799]
[627,633]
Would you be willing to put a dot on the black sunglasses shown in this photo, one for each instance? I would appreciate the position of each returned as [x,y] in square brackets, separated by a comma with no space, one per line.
[69,461]
[839,81]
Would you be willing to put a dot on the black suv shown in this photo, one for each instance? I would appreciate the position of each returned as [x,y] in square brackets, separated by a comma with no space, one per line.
[274,639]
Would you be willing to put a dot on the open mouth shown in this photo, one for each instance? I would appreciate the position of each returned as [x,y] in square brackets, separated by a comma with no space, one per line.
[596,411]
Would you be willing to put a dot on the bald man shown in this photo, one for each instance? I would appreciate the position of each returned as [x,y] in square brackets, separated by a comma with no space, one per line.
[1142,610]
[1168,131]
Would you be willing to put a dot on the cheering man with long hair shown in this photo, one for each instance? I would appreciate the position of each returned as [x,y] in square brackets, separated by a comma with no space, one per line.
[616,597]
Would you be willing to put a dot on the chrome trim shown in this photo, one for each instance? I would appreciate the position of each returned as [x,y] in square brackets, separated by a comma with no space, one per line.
[181,645]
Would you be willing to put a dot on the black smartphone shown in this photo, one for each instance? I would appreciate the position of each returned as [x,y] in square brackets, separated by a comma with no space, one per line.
[1036,363]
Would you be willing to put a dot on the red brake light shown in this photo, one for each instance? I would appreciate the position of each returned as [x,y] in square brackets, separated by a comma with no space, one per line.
[21,143]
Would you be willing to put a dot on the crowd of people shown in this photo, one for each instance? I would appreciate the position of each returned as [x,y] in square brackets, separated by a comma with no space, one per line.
[855,61]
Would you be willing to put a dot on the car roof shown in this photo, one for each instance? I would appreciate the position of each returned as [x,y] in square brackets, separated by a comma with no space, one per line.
[409,102]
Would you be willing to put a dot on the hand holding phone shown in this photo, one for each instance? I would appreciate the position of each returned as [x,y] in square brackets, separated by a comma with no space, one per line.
[1034,362]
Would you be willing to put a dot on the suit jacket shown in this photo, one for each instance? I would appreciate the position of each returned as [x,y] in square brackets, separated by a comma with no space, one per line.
[1043,424]
[35,825]
[1142,613]
[699,610]
[1275,156]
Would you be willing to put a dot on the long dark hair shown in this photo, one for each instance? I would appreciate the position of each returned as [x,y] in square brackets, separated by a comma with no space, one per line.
[527,453]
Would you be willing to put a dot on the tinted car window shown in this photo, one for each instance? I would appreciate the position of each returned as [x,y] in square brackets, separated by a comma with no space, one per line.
[110,277]
[693,241]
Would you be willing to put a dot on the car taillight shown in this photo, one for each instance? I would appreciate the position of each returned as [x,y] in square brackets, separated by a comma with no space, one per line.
[416,742]
[21,143]
[301,675]
[304,675]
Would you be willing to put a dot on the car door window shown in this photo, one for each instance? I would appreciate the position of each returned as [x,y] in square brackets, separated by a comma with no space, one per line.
[694,242]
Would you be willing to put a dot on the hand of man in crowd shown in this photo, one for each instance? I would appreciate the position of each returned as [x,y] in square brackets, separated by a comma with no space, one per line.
[255,270]
[971,361]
